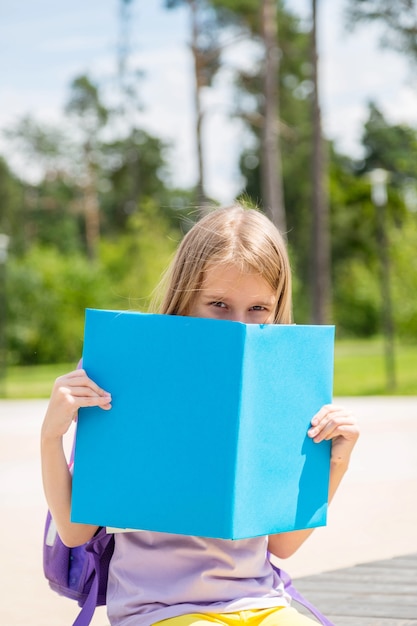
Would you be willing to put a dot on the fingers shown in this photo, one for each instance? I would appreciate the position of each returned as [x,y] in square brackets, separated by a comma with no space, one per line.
[333,421]
[80,384]
[76,390]
[70,393]
[79,390]
[78,397]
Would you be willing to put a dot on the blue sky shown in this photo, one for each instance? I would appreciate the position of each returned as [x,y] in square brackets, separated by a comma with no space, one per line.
[45,44]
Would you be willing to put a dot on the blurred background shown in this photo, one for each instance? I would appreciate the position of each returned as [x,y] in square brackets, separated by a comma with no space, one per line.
[123,121]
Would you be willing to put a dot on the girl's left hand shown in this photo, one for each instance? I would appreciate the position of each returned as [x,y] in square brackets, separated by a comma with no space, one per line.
[337,424]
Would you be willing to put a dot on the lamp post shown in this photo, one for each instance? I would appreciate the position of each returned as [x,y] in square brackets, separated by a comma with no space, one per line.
[379,179]
[4,244]
[410,195]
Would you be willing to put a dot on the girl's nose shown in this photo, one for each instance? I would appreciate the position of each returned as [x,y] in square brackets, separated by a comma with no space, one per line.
[240,316]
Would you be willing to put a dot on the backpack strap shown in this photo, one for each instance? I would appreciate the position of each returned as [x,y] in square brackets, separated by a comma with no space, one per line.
[86,614]
[96,547]
[298,597]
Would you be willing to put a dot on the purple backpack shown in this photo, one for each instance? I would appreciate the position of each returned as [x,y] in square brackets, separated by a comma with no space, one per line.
[78,573]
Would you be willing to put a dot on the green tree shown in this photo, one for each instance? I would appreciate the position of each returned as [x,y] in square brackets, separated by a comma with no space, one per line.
[271,165]
[48,290]
[51,280]
[52,213]
[121,161]
[403,246]
[85,106]
[293,119]
[354,254]
[135,261]
[391,147]
[12,213]
[356,231]
[320,233]
[206,51]
[49,208]
[47,294]
[46,145]
[260,23]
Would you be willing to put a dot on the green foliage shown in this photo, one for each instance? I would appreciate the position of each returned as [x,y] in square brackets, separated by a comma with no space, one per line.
[357,266]
[403,246]
[50,281]
[47,145]
[135,261]
[85,103]
[356,299]
[53,214]
[47,293]
[133,170]
[241,13]
[355,249]
[11,207]
[391,147]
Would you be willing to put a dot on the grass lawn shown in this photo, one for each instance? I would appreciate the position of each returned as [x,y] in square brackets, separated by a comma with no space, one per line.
[359,370]
[32,381]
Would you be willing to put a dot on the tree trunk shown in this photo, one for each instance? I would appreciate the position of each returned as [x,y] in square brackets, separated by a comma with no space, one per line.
[320,240]
[272,187]
[91,206]
[198,85]
[128,109]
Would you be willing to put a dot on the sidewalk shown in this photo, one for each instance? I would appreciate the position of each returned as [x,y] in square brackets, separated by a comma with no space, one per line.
[373,516]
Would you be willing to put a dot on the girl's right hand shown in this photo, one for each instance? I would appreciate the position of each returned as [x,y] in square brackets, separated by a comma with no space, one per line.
[69,393]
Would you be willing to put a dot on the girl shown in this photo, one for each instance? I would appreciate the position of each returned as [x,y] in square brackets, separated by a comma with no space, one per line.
[232,265]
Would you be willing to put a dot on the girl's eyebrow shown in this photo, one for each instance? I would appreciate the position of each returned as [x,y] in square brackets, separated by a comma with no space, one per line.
[268,301]
[216,299]
[217,296]
[265,303]
[264,299]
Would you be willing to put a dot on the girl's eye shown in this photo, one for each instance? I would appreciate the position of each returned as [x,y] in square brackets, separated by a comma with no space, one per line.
[258,307]
[218,304]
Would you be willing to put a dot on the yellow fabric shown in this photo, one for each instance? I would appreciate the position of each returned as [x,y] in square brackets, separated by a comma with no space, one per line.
[277,616]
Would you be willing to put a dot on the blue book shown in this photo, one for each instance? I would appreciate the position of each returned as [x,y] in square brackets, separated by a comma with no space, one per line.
[208,431]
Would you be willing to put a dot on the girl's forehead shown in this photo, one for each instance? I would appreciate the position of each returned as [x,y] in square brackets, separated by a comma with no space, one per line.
[218,270]
[225,277]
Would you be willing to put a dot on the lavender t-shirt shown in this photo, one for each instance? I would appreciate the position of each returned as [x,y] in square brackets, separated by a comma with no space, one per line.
[154,576]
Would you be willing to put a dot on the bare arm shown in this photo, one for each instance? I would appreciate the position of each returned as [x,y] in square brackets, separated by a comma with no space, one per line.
[70,392]
[330,423]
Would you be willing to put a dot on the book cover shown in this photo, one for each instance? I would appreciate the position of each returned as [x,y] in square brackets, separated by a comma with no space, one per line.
[207,434]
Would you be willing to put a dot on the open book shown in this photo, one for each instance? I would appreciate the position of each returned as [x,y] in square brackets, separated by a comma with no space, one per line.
[208,431]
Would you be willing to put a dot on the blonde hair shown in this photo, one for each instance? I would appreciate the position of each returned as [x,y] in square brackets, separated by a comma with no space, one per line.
[244,238]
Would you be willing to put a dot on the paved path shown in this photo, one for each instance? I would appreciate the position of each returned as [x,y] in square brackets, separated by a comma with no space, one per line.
[373,516]
[380,593]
